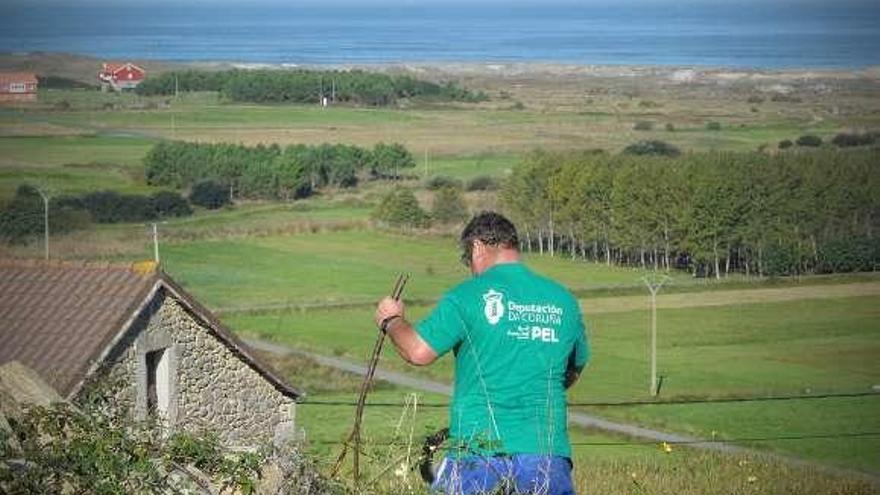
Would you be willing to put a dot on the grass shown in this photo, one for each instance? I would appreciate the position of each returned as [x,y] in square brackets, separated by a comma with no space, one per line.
[73,164]
[346,266]
[602,463]
[738,350]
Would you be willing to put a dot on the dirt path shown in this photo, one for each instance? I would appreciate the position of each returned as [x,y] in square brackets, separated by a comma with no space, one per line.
[576,418]
[729,297]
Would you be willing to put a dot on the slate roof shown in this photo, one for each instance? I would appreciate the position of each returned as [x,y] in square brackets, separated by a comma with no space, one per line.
[61,318]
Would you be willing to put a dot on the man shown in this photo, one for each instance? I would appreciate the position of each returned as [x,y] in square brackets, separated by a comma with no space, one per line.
[519,342]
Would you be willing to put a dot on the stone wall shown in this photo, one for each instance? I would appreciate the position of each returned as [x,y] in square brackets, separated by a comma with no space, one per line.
[211,387]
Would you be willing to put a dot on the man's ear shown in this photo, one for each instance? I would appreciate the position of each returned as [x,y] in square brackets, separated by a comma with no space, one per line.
[479,247]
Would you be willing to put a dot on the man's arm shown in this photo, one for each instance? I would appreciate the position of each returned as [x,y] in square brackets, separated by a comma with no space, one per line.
[406,340]
[572,371]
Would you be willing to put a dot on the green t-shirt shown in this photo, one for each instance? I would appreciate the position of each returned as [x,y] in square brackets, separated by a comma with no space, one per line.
[513,333]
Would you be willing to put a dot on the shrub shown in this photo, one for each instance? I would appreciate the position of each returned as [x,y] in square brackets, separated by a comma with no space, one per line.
[809,140]
[849,255]
[652,147]
[844,139]
[441,181]
[112,207]
[400,208]
[170,204]
[755,100]
[669,127]
[785,144]
[643,125]
[482,183]
[713,126]
[784,98]
[210,194]
[389,159]
[449,206]
[781,260]
[66,450]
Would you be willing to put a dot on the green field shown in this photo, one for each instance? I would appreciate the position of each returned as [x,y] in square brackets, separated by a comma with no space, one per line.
[307,273]
[817,346]
[347,267]
[603,464]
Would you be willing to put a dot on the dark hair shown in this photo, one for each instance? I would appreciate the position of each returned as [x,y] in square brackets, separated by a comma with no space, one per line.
[492,229]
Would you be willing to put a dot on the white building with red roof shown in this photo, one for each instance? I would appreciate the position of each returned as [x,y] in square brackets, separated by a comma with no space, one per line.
[121,76]
[18,86]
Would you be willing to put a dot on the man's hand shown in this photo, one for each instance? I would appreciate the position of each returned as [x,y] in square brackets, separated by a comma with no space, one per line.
[387,308]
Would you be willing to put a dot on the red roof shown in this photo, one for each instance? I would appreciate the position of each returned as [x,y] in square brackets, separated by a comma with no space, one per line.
[113,68]
[17,77]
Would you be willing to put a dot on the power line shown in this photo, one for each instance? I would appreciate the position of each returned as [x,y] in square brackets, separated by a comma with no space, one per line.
[633,443]
[704,400]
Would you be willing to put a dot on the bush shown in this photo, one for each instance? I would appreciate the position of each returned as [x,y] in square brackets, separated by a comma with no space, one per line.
[170,204]
[66,450]
[482,183]
[809,140]
[669,127]
[400,208]
[755,100]
[643,125]
[388,159]
[849,255]
[210,194]
[781,260]
[785,144]
[844,140]
[783,98]
[449,206]
[652,147]
[58,82]
[713,126]
[441,181]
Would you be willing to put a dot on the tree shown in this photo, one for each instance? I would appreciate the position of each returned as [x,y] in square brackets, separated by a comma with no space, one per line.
[400,208]
[389,159]
[449,206]
[652,147]
[170,204]
[209,194]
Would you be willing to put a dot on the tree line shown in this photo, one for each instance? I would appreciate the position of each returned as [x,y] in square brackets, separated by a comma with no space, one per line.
[712,213]
[272,172]
[24,216]
[306,86]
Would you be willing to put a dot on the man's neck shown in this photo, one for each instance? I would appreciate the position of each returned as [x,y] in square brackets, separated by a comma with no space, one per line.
[505,256]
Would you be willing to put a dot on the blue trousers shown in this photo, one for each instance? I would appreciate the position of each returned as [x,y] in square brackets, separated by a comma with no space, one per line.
[515,474]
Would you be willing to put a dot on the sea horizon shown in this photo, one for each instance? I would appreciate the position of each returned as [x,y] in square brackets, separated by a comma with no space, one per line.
[783,36]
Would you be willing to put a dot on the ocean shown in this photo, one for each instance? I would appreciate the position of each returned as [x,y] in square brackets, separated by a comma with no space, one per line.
[792,34]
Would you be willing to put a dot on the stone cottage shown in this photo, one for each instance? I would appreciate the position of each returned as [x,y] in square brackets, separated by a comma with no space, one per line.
[133,336]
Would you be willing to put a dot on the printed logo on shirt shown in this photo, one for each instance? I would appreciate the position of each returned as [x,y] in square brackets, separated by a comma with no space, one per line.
[528,332]
[494,308]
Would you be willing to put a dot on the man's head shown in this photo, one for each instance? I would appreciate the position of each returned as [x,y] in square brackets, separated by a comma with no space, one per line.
[489,238]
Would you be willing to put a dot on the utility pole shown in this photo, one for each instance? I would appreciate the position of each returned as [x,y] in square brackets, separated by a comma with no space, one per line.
[45,219]
[654,284]
[156,243]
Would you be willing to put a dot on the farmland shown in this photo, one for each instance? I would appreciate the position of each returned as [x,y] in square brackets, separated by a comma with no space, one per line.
[306,273]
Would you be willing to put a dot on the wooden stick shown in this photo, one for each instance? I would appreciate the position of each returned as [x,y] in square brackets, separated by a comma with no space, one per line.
[355,435]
